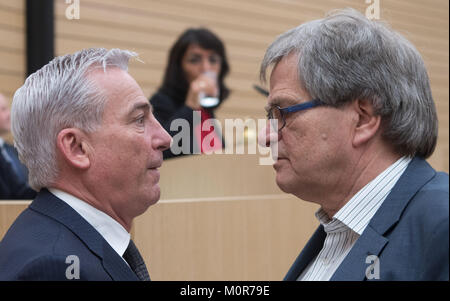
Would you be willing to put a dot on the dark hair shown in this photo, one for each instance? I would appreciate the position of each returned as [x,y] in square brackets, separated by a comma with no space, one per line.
[175,84]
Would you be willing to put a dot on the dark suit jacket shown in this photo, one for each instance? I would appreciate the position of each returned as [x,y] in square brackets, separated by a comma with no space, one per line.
[166,110]
[409,233]
[11,187]
[21,169]
[40,241]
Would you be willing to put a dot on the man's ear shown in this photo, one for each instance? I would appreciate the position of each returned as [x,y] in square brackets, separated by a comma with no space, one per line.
[74,147]
[368,122]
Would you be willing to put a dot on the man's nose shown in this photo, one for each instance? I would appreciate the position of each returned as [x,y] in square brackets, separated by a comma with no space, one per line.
[161,139]
[267,136]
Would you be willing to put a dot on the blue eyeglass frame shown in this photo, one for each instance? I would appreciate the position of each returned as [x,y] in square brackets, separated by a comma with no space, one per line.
[296,108]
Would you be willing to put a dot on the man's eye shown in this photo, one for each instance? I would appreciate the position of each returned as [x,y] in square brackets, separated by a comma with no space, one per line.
[140,120]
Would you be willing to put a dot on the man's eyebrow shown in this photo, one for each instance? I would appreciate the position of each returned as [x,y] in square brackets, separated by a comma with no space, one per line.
[281,102]
[145,106]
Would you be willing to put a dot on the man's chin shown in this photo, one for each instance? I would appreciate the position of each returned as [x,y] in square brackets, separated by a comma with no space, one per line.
[150,199]
[155,195]
[283,184]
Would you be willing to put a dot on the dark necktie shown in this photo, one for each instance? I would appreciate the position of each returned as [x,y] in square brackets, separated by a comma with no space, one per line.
[137,264]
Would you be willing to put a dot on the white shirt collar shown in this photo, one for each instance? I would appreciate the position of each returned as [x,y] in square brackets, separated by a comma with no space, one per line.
[2,142]
[359,210]
[113,232]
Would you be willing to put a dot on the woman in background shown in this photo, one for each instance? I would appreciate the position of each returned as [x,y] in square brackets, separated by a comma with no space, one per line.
[196,55]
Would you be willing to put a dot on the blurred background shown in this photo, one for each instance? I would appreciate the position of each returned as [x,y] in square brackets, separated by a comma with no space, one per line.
[220,218]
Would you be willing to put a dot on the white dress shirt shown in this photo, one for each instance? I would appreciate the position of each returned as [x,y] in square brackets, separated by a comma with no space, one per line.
[113,232]
[350,221]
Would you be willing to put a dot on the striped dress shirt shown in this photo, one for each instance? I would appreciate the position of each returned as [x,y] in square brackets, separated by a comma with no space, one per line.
[349,222]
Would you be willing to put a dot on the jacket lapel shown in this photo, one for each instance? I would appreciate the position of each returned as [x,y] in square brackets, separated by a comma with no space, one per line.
[355,264]
[116,266]
[51,206]
[310,251]
[372,240]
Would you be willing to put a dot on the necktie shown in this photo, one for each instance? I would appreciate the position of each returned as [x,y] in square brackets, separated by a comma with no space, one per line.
[137,264]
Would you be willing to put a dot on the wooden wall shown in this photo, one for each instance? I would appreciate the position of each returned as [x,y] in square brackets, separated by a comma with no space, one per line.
[222,218]
[247,27]
[12,48]
[235,225]
[150,27]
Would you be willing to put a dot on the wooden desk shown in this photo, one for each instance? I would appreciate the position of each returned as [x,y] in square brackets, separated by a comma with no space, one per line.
[222,218]
[9,211]
[219,218]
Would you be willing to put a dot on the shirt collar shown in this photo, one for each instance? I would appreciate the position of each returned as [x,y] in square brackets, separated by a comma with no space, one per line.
[359,210]
[113,232]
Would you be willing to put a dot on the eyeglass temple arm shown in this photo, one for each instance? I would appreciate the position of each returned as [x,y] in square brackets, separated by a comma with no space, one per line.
[261,90]
[303,106]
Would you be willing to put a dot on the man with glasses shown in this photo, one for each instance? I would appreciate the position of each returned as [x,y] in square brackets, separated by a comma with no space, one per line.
[352,113]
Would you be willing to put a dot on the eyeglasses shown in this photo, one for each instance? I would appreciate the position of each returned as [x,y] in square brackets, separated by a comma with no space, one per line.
[278,114]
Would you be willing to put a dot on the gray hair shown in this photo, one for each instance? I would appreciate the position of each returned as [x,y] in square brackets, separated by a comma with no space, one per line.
[345,57]
[57,96]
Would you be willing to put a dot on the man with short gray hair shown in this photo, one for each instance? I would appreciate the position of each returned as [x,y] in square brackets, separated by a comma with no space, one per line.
[86,132]
[352,115]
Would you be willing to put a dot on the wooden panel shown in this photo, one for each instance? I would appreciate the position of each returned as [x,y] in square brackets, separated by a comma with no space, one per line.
[13,63]
[12,49]
[14,38]
[11,17]
[217,176]
[220,217]
[228,222]
[222,239]
[9,211]
[238,226]
[247,27]
[237,239]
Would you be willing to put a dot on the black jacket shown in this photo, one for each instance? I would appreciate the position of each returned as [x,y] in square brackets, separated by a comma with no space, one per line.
[166,110]
[11,187]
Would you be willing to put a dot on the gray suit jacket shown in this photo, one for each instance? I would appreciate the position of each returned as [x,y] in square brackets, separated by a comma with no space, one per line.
[409,233]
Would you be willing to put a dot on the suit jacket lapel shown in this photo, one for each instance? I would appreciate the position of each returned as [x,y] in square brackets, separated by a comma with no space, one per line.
[355,264]
[308,253]
[49,205]
[116,266]
[372,240]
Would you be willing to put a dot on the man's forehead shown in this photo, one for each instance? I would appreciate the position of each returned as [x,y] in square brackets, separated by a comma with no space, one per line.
[284,85]
[286,68]
[105,75]
[115,81]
